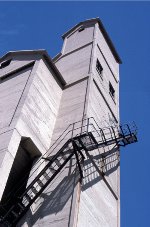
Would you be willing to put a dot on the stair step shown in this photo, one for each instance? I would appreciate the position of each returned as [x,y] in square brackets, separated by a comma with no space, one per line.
[57,162]
[27,197]
[14,213]
[52,169]
[40,183]
[63,156]
[21,206]
[34,190]
[87,142]
[46,176]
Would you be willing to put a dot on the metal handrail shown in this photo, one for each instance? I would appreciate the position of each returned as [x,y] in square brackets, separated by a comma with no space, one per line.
[98,130]
[40,163]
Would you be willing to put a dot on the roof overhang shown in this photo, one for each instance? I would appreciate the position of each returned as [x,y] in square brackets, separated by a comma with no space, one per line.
[42,53]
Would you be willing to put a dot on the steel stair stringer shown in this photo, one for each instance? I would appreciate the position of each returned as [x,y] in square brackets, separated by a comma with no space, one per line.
[76,146]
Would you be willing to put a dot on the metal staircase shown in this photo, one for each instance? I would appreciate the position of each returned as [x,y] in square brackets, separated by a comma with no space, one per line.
[79,138]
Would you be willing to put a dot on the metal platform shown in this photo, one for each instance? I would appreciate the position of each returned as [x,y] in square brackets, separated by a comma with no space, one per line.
[84,136]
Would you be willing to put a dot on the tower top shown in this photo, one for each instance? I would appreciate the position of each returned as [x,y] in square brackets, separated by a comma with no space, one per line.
[93,21]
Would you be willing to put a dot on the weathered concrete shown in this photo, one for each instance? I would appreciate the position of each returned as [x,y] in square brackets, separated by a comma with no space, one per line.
[41,107]
[98,206]
[29,107]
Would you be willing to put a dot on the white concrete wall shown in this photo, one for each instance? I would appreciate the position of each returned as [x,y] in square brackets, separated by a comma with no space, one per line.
[78,39]
[71,107]
[11,90]
[55,207]
[107,52]
[75,66]
[9,144]
[29,105]
[98,206]
[45,111]
[40,110]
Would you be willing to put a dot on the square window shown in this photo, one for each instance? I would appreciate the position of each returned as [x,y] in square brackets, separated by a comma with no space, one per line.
[99,68]
[81,29]
[111,91]
[5,64]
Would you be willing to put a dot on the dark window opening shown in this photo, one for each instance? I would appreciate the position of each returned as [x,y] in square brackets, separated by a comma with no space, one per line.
[81,29]
[111,91]
[99,68]
[5,64]
[18,177]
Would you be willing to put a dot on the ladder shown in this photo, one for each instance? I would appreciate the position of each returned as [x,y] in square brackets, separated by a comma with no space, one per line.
[90,137]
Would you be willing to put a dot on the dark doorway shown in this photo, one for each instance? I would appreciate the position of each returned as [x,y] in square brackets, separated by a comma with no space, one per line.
[19,174]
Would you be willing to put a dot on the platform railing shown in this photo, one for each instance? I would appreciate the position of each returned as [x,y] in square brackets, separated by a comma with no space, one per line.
[102,135]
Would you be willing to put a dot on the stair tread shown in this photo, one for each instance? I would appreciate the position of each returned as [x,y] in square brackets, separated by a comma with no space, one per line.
[85,141]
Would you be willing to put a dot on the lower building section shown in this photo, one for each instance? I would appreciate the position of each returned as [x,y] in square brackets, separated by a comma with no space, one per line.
[55,206]
[79,168]
[98,205]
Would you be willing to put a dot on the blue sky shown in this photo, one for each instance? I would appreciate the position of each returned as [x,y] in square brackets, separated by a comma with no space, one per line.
[39,25]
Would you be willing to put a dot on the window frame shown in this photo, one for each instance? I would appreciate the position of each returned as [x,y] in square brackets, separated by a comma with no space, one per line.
[81,29]
[99,68]
[4,64]
[112,91]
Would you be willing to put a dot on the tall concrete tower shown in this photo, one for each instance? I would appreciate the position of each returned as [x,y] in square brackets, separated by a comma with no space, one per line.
[60,133]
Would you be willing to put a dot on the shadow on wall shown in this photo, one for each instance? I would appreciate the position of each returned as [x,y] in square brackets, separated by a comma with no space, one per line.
[60,193]
[56,195]
[107,163]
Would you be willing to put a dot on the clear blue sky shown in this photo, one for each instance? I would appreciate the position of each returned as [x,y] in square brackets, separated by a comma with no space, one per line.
[37,25]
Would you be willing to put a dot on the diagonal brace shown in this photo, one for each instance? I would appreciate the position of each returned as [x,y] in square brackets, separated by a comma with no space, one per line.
[102,175]
[76,150]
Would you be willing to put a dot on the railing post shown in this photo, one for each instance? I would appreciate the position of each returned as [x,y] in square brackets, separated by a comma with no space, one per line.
[129,129]
[72,130]
[102,135]
[88,125]
[121,130]
[81,125]
[114,134]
